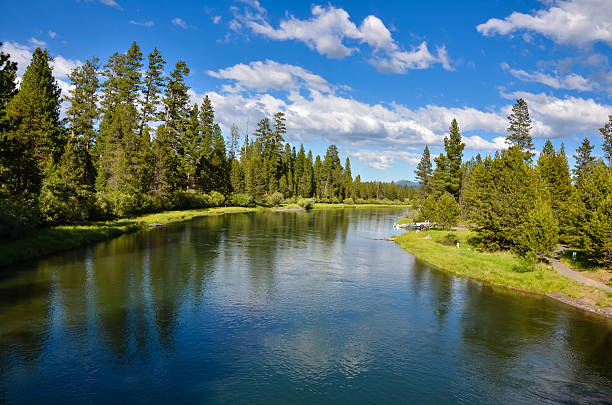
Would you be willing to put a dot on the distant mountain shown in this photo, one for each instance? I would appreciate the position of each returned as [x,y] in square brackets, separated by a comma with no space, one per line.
[410,184]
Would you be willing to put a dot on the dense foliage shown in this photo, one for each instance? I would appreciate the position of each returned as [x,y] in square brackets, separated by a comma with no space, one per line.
[512,204]
[132,141]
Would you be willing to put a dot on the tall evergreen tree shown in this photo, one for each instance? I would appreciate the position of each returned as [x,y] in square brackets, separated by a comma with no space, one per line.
[35,136]
[154,82]
[332,173]
[606,134]
[584,160]
[8,89]
[83,113]
[454,155]
[440,180]
[424,172]
[347,179]
[520,126]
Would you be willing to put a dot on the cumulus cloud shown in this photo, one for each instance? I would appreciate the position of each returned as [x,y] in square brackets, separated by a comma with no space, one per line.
[142,23]
[573,22]
[216,19]
[179,22]
[572,81]
[384,159]
[52,34]
[270,75]
[331,32]
[560,117]
[322,114]
[22,54]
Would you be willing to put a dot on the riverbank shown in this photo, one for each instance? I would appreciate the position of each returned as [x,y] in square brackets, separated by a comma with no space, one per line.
[500,269]
[45,241]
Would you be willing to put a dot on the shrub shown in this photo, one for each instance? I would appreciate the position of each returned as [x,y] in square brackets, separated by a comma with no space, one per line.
[276,199]
[188,200]
[64,208]
[116,204]
[306,203]
[349,201]
[335,200]
[216,199]
[447,211]
[525,265]
[18,216]
[360,201]
[242,200]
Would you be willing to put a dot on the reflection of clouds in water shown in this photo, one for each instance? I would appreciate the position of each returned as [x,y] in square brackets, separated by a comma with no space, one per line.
[311,355]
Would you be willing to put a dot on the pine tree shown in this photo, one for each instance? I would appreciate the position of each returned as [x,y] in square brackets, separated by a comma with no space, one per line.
[8,89]
[447,211]
[440,178]
[35,136]
[348,179]
[154,82]
[424,172]
[191,142]
[234,142]
[454,155]
[520,126]
[606,134]
[332,173]
[83,113]
[584,160]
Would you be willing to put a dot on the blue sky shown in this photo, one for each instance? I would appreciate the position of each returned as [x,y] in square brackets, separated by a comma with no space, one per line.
[379,79]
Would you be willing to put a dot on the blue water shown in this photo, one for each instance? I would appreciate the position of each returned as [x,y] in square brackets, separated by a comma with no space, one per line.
[284,308]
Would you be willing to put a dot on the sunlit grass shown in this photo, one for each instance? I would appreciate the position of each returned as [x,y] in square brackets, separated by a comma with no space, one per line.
[493,268]
[45,241]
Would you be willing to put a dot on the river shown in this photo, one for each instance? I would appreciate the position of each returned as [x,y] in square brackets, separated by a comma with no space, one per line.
[284,308]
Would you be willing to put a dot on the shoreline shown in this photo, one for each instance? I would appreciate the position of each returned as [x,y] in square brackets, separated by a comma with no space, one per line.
[47,241]
[496,270]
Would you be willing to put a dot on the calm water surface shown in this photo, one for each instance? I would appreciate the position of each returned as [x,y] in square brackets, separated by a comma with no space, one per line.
[284,308]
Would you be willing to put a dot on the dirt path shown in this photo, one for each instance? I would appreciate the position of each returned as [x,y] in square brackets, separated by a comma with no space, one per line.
[562,268]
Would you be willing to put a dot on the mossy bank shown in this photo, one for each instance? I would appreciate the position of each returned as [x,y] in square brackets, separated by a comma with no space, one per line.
[501,269]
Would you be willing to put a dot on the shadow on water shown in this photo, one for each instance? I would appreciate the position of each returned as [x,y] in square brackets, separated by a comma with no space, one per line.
[283,307]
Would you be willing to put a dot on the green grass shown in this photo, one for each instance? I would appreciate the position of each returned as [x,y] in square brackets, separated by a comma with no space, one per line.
[403,221]
[44,241]
[492,268]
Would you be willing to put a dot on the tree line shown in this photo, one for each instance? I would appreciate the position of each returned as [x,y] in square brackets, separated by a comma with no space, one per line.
[514,203]
[131,141]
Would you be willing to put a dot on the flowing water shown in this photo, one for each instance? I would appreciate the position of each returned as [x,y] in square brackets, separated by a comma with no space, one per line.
[284,308]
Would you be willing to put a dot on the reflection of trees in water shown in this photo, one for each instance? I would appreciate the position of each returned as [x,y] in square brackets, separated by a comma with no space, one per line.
[24,316]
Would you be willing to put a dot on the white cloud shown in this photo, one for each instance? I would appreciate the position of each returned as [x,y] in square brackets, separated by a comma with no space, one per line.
[22,54]
[560,117]
[320,114]
[384,159]
[111,3]
[574,22]
[52,34]
[216,19]
[37,42]
[330,30]
[270,75]
[179,22]
[572,81]
[148,23]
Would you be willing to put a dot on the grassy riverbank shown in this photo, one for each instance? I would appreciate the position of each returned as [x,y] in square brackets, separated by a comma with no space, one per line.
[45,241]
[498,269]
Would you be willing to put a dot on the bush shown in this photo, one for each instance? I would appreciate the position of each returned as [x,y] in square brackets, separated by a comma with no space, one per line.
[276,199]
[335,200]
[116,204]
[360,201]
[187,200]
[18,216]
[349,201]
[447,211]
[65,208]
[242,200]
[306,203]
[525,265]
[216,199]
[450,239]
